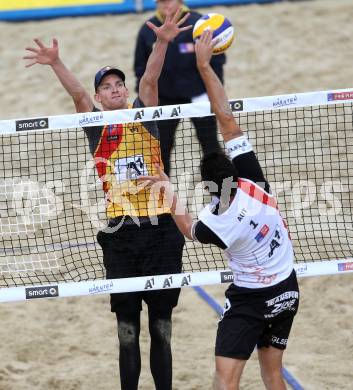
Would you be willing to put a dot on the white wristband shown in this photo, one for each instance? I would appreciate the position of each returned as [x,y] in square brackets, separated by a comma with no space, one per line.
[238,146]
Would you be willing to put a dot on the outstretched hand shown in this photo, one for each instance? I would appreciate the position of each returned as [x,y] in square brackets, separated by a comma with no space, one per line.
[42,55]
[171,26]
[204,48]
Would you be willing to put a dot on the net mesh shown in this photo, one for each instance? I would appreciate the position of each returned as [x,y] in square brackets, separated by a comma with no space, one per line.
[52,203]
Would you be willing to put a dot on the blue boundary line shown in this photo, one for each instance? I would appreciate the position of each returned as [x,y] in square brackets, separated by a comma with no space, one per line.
[291,380]
[219,310]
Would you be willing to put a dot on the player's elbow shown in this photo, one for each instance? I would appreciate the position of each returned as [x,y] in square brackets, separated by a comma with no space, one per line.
[82,101]
[186,230]
[184,225]
[148,93]
[187,234]
[148,81]
[79,96]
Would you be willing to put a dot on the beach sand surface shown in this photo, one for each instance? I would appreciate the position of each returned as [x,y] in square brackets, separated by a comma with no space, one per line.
[71,343]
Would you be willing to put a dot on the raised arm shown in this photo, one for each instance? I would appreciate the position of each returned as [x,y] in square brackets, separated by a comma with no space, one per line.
[50,56]
[215,90]
[148,89]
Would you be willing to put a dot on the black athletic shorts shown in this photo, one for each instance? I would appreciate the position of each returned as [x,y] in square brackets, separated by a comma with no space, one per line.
[144,250]
[260,317]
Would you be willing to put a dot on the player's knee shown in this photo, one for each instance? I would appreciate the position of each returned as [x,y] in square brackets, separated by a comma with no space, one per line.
[273,379]
[222,382]
[161,330]
[128,333]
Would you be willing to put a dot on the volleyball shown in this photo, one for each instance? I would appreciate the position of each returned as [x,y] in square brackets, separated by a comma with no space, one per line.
[223,31]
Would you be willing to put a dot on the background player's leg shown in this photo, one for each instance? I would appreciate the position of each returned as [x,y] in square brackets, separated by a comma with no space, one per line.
[160,327]
[167,138]
[206,131]
[129,350]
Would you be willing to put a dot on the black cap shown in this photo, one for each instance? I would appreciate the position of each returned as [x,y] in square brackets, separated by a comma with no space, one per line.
[104,72]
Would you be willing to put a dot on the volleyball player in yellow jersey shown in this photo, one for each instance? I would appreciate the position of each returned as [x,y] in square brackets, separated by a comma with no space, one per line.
[138,245]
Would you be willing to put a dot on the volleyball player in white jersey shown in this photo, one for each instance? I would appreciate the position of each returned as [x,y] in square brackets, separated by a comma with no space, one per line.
[243,219]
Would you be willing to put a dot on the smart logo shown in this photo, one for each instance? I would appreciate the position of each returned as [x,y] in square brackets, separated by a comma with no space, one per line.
[42,292]
[32,124]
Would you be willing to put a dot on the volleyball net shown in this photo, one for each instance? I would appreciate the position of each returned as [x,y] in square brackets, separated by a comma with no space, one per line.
[52,203]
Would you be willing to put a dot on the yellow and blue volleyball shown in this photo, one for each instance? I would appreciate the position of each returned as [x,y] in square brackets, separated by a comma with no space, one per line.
[223,31]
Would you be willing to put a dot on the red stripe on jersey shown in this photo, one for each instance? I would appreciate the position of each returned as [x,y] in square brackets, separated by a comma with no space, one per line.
[251,191]
[266,199]
[255,192]
[110,140]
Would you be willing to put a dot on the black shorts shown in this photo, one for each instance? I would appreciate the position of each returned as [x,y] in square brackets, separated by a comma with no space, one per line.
[144,250]
[257,317]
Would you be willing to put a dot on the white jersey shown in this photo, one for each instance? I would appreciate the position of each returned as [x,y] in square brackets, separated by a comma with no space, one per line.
[255,237]
[259,250]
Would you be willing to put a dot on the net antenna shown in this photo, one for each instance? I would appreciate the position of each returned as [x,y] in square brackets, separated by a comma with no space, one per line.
[52,204]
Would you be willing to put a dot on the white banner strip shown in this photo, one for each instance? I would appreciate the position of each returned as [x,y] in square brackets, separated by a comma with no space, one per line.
[199,109]
[158,282]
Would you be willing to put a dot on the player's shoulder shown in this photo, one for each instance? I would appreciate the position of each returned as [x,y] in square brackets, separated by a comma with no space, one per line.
[144,29]
[138,103]
[154,19]
[194,12]
[194,16]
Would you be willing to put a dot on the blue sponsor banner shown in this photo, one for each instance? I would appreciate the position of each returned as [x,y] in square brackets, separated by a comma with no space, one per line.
[150,4]
[15,11]
[48,10]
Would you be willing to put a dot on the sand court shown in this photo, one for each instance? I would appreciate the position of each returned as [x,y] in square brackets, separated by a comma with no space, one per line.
[71,343]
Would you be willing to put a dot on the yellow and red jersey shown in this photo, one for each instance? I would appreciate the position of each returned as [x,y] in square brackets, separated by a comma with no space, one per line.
[122,153]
